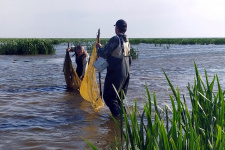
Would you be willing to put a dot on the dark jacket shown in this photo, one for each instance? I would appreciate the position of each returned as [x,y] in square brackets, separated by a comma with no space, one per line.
[82,62]
[117,53]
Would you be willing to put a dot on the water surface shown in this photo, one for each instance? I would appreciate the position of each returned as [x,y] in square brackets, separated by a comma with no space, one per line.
[38,112]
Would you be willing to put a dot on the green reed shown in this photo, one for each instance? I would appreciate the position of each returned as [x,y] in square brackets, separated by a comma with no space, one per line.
[181,41]
[26,46]
[46,46]
[176,126]
[156,41]
[133,53]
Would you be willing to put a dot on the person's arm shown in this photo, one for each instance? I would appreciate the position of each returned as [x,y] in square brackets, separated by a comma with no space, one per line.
[85,65]
[109,48]
[72,49]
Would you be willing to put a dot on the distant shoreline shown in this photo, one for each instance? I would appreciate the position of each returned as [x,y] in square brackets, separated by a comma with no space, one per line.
[33,46]
[182,41]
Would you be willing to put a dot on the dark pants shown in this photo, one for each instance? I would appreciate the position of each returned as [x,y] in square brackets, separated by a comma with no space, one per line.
[112,100]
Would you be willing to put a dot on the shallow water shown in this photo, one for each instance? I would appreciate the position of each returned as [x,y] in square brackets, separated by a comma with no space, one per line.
[38,112]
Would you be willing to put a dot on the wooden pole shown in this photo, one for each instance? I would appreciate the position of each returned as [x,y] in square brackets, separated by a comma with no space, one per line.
[99,74]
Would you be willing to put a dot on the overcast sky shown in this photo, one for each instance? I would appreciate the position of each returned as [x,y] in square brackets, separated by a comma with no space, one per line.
[81,19]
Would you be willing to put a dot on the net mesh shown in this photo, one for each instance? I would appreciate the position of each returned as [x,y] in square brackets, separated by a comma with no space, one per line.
[89,88]
[71,77]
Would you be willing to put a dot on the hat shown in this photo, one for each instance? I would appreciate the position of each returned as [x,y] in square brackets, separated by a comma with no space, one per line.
[122,25]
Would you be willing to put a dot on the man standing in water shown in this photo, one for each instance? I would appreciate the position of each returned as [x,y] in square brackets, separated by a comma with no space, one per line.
[82,59]
[117,53]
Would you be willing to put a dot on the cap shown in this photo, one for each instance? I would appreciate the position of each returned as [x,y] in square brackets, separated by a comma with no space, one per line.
[122,25]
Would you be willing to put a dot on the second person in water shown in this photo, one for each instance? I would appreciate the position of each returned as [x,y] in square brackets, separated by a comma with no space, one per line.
[81,59]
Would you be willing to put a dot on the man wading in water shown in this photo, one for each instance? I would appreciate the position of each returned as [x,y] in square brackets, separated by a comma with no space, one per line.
[117,53]
[82,59]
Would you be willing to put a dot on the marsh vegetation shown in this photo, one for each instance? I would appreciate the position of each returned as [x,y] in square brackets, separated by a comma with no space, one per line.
[176,126]
[45,46]
[26,46]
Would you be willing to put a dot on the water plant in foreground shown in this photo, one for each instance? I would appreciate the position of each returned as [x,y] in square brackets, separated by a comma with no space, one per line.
[176,126]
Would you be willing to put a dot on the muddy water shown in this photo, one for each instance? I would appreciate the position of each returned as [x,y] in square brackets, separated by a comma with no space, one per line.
[38,112]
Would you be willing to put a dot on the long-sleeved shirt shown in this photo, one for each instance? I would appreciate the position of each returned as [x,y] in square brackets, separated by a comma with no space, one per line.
[85,65]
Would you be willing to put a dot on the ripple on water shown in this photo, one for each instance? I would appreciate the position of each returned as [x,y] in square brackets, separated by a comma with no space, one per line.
[38,112]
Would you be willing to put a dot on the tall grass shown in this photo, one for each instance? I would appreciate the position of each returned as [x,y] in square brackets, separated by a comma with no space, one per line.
[133,53]
[26,47]
[181,41]
[46,46]
[134,41]
[176,127]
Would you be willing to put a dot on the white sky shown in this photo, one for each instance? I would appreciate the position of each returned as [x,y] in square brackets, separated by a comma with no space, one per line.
[82,18]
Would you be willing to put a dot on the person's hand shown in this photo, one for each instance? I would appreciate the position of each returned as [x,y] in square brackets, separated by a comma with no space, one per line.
[98,45]
[68,49]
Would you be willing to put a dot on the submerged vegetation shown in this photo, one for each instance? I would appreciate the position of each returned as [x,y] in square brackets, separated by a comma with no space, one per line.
[176,126]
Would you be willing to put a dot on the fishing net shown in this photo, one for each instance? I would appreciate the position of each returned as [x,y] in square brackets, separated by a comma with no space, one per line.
[71,77]
[89,87]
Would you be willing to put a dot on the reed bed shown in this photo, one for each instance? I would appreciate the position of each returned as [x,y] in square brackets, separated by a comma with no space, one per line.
[26,46]
[158,41]
[176,126]
[46,46]
[181,41]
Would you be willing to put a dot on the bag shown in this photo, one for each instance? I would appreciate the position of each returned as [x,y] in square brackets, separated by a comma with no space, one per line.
[100,64]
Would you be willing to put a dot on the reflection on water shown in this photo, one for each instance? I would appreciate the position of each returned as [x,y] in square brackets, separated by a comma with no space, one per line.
[38,112]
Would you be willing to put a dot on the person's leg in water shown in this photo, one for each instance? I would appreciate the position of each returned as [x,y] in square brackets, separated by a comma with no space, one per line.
[113,101]
[110,96]
[124,89]
[113,104]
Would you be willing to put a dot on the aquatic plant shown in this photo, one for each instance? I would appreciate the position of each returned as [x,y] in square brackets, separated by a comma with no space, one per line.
[158,41]
[181,41]
[133,53]
[26,47]
[46,46]
[176,126]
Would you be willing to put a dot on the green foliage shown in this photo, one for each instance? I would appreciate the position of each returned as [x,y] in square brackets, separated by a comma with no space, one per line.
[26,47]
[181,41]
[46,46]
[201,127]
[133,53]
